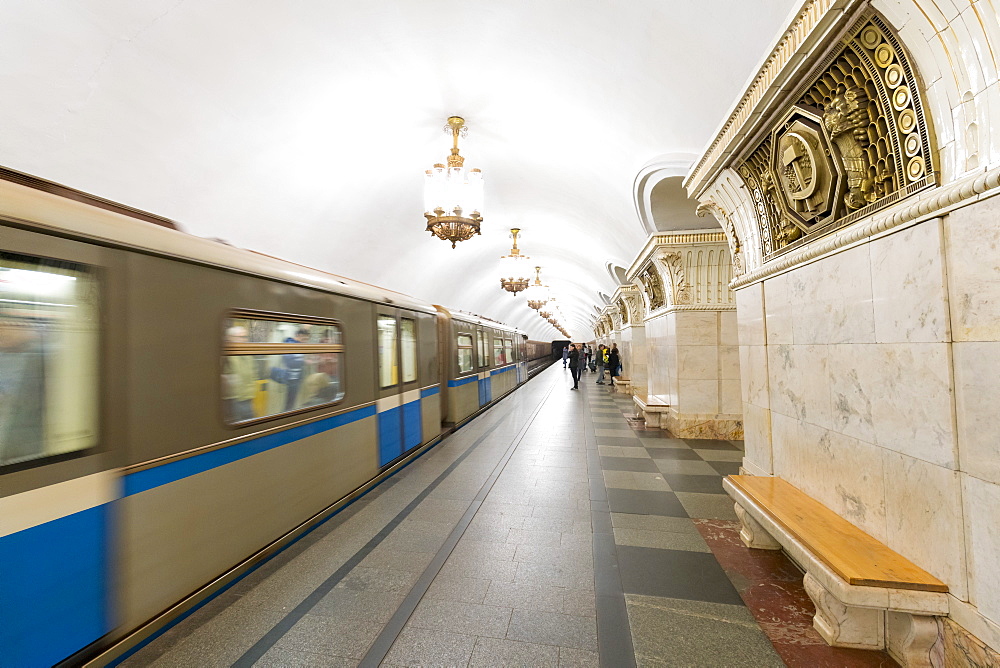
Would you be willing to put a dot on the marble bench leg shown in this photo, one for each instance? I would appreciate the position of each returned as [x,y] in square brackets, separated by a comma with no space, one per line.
[753,534]
[916,641]
[842,625]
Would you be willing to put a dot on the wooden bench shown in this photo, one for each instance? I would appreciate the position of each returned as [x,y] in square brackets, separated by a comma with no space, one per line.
[650,408]
[867,596]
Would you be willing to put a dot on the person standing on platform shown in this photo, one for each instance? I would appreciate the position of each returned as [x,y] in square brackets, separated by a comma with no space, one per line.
[566,355]
[614,363]
[574,365]
[600,355]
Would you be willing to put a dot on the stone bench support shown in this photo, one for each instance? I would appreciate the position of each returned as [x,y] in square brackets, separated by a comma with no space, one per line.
[904,621]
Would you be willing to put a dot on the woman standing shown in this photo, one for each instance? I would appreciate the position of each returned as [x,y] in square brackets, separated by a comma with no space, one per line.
[574,365]
[614,363]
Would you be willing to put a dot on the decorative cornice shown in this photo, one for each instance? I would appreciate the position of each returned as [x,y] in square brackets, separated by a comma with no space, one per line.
[644,256]
[815,19]
[927,205]
[690,307]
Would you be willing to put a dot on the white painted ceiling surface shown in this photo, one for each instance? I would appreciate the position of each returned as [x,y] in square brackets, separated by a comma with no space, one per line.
[302,128]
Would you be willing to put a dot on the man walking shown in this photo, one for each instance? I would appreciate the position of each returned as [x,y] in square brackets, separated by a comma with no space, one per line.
[574,365]
[614,363]
[602,353]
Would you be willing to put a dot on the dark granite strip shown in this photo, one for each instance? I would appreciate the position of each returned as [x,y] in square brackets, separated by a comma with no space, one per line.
[614,635]
[383,643]
[261,647]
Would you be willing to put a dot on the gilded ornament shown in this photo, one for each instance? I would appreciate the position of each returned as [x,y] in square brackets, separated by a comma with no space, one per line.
[912,144]
[893,75]
[907,121]
[871,37]
[884,55]
[846,119]
[915,168]
[901,98]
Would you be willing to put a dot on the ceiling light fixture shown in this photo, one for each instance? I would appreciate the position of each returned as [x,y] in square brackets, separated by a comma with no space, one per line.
[537,294]
[453,196]
[514,268]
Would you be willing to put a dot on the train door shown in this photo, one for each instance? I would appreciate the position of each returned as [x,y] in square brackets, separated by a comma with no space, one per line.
[398,400]
[485,391]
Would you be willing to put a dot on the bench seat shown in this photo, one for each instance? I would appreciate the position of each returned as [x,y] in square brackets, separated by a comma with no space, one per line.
[864,592]
[651,407]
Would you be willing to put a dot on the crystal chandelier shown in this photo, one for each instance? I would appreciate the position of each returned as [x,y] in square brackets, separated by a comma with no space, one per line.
[453,195]
[537,294]
[514,268]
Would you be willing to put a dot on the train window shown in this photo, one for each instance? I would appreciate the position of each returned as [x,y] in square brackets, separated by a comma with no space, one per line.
[278,364]
[49,316]
[508,350]
[408,337]
[464,353]
[498,358]
[484,353]
[388,366]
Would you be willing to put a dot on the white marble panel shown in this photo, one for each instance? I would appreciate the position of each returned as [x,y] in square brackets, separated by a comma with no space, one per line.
[777,310]
[831,299]
[699,397]
[982,504]
[852,389]
[913,404]
[730,397]
[977,392]
[729,333]
[785,433]
[729,362]
[757,436]
[753,375]
[973,245]
[697,362]
[750,315]
[697,328]
[842,473]
[924,519]
[799,384]
[908,285]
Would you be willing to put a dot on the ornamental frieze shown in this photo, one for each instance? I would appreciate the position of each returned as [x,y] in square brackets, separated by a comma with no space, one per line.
[855,140]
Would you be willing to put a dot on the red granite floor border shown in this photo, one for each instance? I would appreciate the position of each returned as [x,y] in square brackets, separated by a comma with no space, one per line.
[771,586]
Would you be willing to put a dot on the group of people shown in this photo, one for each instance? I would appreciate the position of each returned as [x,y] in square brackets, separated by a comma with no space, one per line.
[582,356]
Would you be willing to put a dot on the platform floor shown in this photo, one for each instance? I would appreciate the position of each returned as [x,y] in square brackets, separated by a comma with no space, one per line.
[550,531]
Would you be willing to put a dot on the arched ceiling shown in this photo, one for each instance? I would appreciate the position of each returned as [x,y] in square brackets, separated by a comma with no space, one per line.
[302,129]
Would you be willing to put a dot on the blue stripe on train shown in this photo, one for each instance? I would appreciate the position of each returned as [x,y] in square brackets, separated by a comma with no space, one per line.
[412,425]
[390,437]
[461,381]
[430,391]
[54,592]
[173,471]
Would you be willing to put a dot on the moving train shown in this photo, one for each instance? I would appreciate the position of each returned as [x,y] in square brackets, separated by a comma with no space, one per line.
[174,410]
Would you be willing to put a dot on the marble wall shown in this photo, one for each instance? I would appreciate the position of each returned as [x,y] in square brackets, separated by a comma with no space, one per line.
[871,380]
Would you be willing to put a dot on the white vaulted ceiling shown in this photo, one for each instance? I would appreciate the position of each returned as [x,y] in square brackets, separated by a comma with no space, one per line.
[302,128]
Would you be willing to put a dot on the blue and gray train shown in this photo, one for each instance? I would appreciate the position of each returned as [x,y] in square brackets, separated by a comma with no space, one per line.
[174,410]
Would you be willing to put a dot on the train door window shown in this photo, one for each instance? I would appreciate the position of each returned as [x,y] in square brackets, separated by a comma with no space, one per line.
[408,337]
[49,342]
[464,353]
[498,358]
[484,353]
[277,364]
[388,365]
[508,350]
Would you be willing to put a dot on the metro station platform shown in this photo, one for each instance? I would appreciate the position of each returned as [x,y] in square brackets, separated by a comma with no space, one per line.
[552,530]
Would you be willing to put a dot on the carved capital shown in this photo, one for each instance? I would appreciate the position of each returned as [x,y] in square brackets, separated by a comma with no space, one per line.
[735,247]
[681,288]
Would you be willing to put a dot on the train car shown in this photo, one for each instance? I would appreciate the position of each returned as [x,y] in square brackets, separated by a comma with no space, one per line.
[174,410]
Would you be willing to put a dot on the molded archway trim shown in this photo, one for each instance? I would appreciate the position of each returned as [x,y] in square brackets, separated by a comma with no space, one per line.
[662,167]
